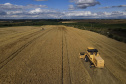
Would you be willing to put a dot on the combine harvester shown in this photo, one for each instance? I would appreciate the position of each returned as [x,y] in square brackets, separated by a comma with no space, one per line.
[93,56]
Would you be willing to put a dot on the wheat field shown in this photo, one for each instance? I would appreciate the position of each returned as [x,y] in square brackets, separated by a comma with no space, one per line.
[30,55]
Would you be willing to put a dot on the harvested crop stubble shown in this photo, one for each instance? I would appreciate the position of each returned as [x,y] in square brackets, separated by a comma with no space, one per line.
[50,56]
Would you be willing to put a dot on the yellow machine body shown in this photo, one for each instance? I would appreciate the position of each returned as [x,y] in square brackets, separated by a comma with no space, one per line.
[93,57]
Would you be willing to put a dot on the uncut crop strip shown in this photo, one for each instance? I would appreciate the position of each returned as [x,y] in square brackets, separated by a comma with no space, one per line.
[62,56]
[68,58]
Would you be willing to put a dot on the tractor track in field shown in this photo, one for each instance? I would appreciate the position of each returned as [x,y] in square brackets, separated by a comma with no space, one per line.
[108,49]
[3,48]
[68,58]
[62,56]
[114,54]
[107,45]
[16,36]
[113,74]
[64,41]
[94,73]
[14,54]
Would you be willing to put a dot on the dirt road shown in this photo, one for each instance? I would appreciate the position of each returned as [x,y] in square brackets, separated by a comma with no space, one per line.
[30,55]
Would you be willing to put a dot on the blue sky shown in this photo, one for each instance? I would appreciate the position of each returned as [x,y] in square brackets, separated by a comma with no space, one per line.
[66,9]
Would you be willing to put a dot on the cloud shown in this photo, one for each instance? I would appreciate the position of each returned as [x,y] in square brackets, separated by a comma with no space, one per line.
[37,13]
[83,4]
[71,7]
[94,15]
[15,12]
[9,6]
[2,13]
[43,11]
[112,15]
[40,12]
[79,13]
[35,6]
[119,6]
[37,10]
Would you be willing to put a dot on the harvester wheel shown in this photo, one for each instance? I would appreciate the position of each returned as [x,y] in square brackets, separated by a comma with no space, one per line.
[86,58]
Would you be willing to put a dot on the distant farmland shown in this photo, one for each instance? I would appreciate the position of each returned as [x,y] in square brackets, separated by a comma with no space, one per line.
[115,28]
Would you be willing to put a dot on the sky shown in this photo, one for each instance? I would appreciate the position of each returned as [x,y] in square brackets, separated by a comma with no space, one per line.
[62,9]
